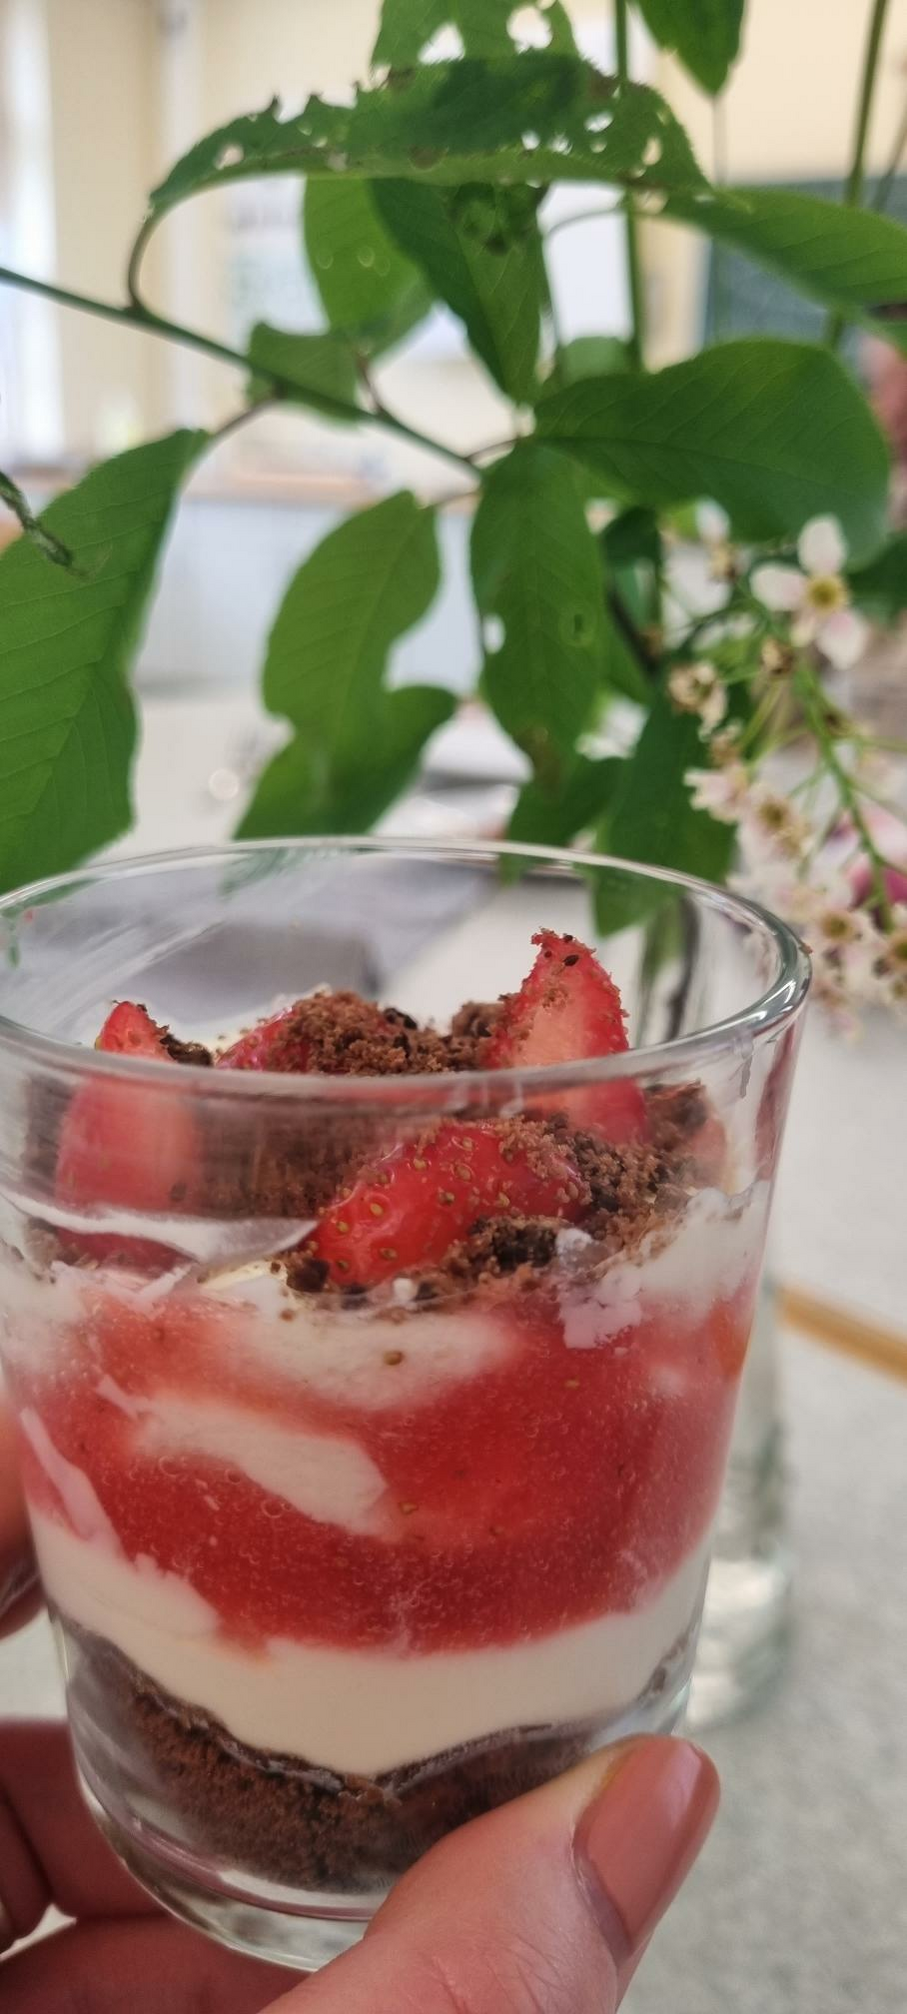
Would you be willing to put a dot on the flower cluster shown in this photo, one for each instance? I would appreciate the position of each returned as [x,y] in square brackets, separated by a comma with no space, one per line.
[819,851]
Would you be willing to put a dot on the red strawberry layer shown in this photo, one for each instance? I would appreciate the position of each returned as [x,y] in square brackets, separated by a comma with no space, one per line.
[548,1488]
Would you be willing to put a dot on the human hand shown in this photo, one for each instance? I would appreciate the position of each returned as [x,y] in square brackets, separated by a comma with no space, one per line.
[542,1907]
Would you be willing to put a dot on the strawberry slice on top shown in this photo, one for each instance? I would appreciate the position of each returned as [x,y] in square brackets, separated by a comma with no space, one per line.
[569,1008]
[407,1208]
[126,1145]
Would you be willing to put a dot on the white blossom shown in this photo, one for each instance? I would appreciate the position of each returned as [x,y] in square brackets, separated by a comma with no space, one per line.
[771,825]
[721,792]
[816,595]
[697,688]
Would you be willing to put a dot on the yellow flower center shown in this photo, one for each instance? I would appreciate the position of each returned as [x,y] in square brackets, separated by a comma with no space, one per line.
[825,592]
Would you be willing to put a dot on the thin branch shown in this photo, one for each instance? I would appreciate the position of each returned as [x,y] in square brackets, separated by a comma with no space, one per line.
[138,316]
[853,193]
[634,270]
[886,182]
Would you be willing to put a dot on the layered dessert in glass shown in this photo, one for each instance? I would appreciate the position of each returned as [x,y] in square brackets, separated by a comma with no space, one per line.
[374,1377]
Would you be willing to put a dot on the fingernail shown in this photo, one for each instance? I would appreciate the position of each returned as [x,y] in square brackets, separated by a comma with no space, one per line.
[637,1841]
[16,1581]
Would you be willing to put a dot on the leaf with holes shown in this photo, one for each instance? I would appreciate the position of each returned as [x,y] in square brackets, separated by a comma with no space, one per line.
[321,368]
[15,501]
[554,817]
[537,581]
[67,724]
[484,26]
[481,251]
[541,116]
[651,818]
[705,34]
[368,582]
[776,432]
[369,289]
[852,260]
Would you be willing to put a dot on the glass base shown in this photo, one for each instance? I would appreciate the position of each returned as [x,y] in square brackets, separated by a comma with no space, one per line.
[262,1918]
[262,1928]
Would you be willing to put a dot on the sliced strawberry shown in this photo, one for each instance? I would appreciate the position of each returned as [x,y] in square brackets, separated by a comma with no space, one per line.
[127,1145]
[408,1208]
[567,1009]
[130,1031]
[270,1045]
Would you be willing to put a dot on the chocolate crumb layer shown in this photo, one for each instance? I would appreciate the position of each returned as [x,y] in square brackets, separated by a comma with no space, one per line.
[286,1820]
[290,1821]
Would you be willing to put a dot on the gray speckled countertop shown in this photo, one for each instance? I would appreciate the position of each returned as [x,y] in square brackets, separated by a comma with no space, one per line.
[799,1905]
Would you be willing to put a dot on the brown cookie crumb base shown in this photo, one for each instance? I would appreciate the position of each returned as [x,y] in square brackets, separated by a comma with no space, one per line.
[285,1820]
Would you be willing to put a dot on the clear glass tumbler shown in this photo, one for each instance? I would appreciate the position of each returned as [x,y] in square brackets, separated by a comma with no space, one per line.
[336,1567]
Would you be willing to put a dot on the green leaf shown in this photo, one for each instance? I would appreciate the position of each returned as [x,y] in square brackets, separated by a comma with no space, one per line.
[853,260]
[481,251]
[538,117]
[17,502]
[881,587]
[705,34]
[632,557]
[651,818]
[368,582]
[321,368]
[536,573]
[407,26]
[299,792]
[775,431]
[370,291]
[585,357]
[632,537]
[67,724]
[543,817]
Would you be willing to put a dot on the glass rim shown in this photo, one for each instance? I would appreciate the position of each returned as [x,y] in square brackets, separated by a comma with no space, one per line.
[774,1008]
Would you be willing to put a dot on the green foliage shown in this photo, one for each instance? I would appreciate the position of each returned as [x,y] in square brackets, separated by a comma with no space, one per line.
[484,25]
[849,259]
[355,743]
[776,432]
[585,357]
[705,34]
[52,548]
[458,122]
[881,586]
[481,251]
[428,187]
[369,290]
[555,816]
[536,576]
[67,723]
[322,367]
[651,819]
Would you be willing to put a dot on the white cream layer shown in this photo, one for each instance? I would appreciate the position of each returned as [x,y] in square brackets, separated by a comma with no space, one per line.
[360,1711]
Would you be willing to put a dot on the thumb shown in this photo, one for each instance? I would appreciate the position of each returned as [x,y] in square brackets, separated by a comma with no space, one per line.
[545,1903]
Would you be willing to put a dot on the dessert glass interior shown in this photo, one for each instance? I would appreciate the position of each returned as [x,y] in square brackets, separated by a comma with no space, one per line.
[333,1570]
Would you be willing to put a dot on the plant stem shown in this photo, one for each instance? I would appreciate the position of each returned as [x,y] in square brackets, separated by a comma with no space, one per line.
[136,316]
[813,701]
[854,190]
[885,183]
[634,269]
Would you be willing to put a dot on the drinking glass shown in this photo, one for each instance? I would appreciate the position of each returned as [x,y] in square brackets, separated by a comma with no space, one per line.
[336,1565]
